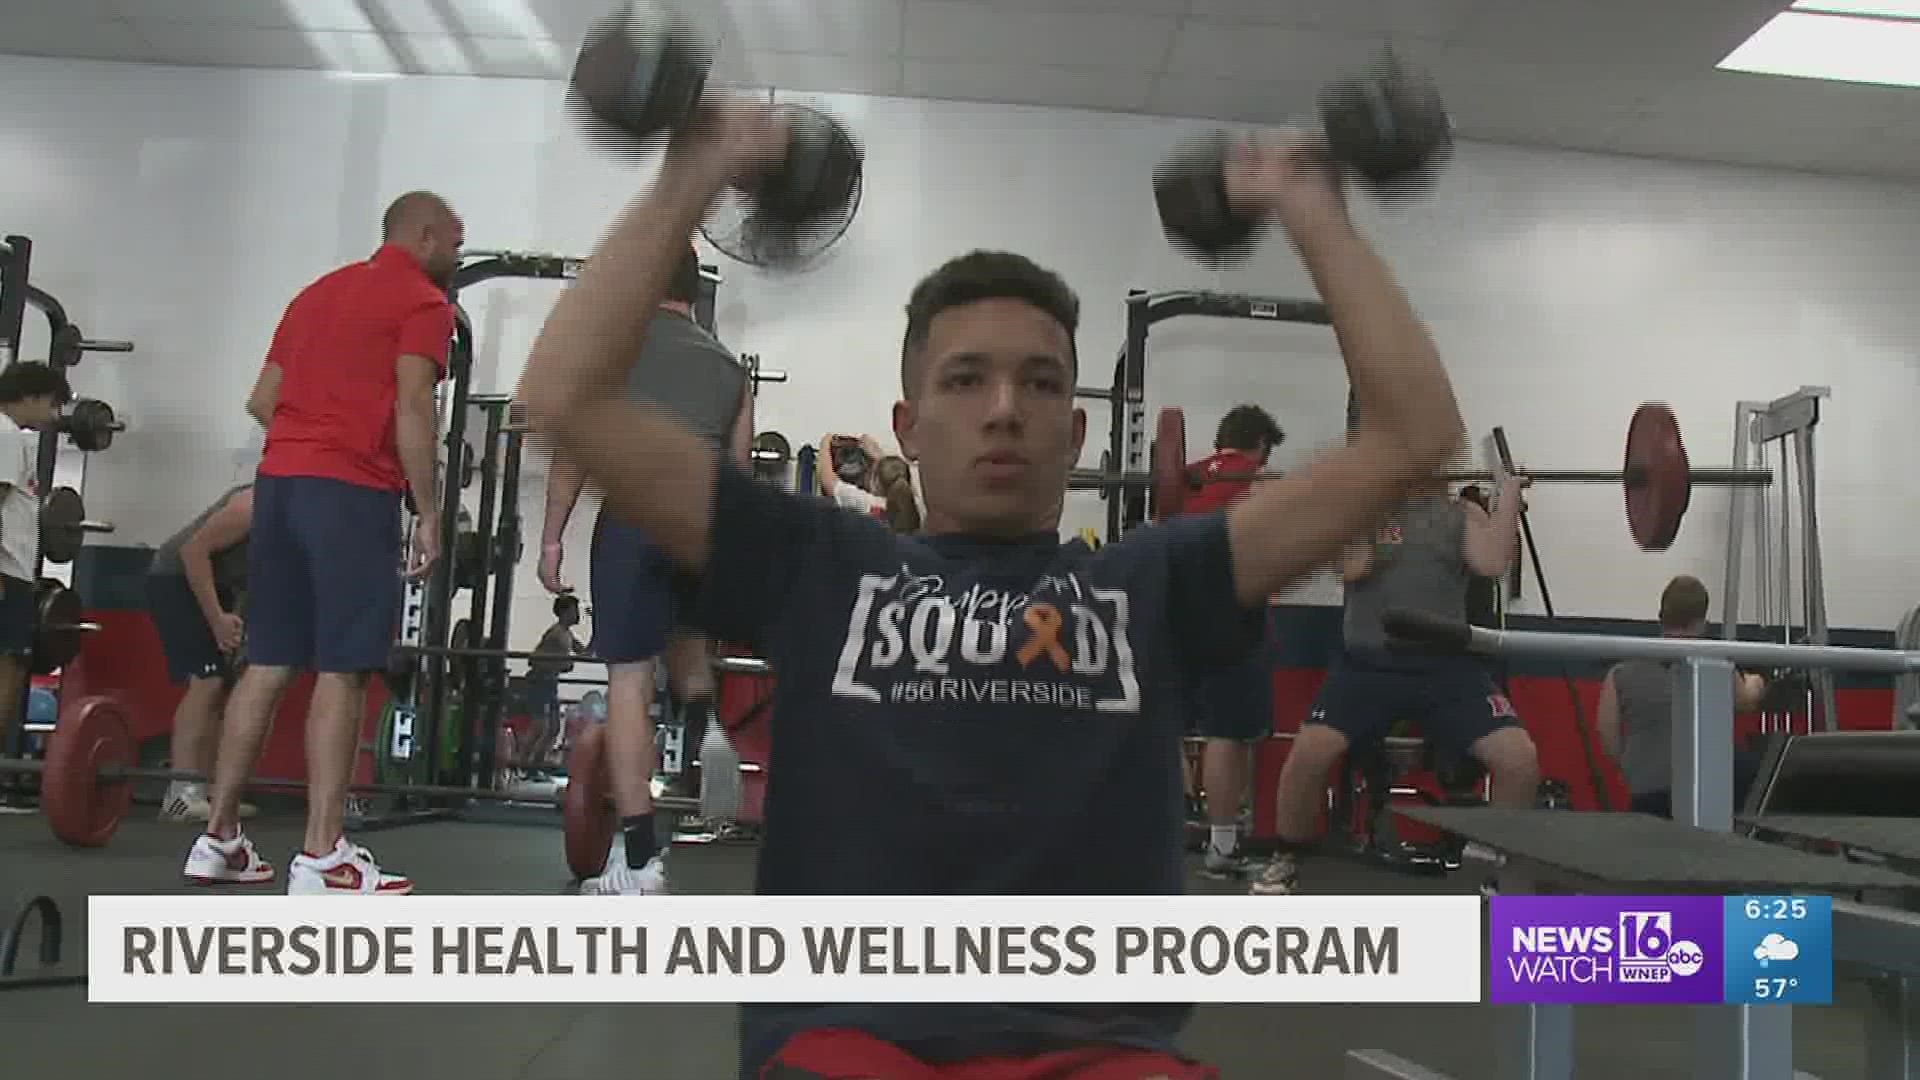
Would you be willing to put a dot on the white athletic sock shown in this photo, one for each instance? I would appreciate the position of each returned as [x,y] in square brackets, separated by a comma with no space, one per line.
[1224,838]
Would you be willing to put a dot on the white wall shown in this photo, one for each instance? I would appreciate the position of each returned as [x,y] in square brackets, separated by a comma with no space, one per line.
[183,207]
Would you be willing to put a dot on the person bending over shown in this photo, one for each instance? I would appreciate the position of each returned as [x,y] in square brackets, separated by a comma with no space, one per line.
[1233,708]
[31,396]
[910,668]
[1419,559]
[346,397]
[687,371]
[1634,717]
[553,657]
[195,589]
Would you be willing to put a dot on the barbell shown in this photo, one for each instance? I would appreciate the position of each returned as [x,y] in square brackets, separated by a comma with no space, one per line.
[1654,475]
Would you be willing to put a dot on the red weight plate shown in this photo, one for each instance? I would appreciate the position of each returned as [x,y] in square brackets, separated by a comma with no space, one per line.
[1658,480]
[589,814]
[1169,465]
[82,808]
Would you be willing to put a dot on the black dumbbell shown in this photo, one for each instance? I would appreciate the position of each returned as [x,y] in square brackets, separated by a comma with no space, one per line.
[1389,128]
[642,72]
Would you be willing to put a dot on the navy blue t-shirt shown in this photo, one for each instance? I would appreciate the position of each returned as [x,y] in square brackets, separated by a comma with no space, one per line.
[960,716]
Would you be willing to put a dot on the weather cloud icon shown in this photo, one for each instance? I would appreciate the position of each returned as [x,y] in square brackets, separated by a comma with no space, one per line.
[1775,947]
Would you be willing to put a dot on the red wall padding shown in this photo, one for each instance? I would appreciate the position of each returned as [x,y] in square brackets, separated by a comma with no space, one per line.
[123,659]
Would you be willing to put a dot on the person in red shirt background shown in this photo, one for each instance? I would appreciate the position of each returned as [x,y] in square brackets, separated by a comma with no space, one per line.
[1233,708]
[347,400]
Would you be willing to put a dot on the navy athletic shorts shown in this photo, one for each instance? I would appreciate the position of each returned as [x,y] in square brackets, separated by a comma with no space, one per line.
[1449,701]
[631,584]
[19,616]
[1234,702]
[185,637]
[323,573]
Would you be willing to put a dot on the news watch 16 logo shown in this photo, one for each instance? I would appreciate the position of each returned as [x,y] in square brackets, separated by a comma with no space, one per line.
[1602,950]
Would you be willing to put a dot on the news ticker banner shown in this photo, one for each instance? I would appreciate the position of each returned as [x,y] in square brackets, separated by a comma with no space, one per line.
[730,949]
[1700,950]
[1661,950]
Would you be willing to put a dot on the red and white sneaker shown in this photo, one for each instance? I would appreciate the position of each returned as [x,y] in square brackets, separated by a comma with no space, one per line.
[214,861]
[347,870]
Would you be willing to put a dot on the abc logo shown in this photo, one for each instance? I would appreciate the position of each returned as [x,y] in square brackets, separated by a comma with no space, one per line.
[1685,958]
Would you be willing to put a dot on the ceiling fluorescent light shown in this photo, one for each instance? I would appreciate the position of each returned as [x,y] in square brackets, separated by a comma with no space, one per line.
[1860,50]
[1885,9]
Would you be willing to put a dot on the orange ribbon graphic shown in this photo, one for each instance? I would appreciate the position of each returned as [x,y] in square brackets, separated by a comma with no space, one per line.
[1045,622]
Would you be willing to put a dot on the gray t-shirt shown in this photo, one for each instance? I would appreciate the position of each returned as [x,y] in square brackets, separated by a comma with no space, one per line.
[229,563]
[686,370]
[1417,565]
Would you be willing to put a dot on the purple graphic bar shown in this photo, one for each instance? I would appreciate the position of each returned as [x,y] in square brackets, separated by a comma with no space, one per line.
[1606,950]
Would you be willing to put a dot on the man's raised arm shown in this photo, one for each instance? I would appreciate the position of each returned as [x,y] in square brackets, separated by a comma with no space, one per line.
[1409,424]
[650,469]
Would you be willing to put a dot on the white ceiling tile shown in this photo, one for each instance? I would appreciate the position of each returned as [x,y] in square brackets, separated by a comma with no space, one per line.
[845,27]
[1637,35]
[60,33]
[1028,84]
[949,30]
[521,58]
[436,54]
[1258,52]
[460,18]
[810,72]
[1435,20]
[271,14]
[1231,100]
[243,46]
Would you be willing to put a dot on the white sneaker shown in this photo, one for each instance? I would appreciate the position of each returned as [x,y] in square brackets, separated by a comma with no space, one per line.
[213,861]
[1280,877]
[347,870]
[619,879]
[189,802]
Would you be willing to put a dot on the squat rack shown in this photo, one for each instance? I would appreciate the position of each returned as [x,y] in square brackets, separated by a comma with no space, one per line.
[428,606]
[1128,445]
[67,345]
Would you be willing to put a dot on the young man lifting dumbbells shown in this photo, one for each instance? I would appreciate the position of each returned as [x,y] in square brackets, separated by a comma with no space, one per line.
[1421,559]
[689,375]
[31,396]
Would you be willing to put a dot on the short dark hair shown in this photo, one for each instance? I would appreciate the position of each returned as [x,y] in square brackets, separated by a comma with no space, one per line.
[1683,603]
[564,603]
[685,286]
[984,275]
[30,379]
[1246,427]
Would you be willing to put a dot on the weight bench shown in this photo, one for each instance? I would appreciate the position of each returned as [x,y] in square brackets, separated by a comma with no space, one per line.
[1364,800]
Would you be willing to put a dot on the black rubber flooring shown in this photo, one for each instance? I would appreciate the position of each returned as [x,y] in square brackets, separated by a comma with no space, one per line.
[56,1033]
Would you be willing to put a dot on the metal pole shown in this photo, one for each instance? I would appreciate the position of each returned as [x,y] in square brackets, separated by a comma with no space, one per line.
[1702,781]
[1730,594]
[470,702]
[1418,629]
[504,553]
[1812,575]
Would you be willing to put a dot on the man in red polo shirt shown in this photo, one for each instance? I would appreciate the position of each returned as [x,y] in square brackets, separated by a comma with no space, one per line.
[1232,708]
[346,396]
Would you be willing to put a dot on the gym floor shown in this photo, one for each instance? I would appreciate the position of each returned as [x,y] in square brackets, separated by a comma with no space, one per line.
[55,1032]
